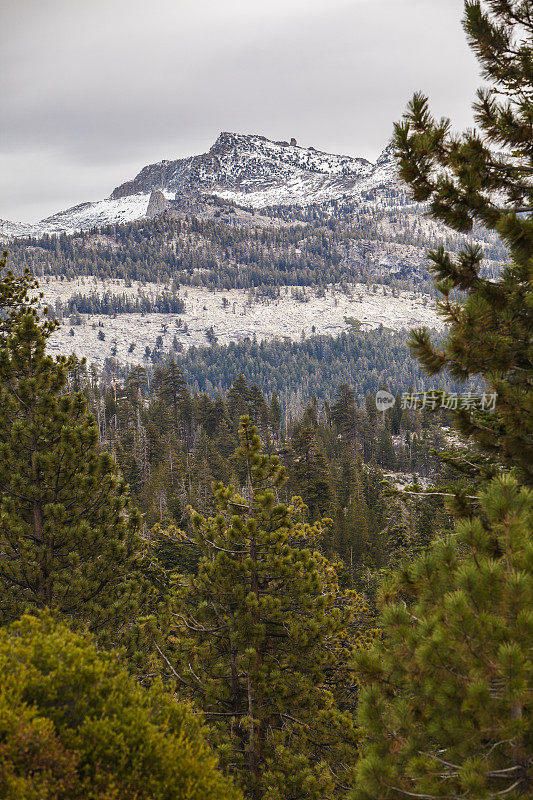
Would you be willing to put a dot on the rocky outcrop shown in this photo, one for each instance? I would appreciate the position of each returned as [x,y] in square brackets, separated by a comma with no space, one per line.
[156,204]
[153,176]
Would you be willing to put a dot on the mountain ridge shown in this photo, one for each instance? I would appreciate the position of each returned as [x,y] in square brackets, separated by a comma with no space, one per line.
[240,160]
[247,169]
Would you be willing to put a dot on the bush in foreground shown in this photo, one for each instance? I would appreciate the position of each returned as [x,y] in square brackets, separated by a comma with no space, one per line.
[75,726]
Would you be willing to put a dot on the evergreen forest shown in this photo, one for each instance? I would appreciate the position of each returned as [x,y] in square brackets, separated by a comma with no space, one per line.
[261,571]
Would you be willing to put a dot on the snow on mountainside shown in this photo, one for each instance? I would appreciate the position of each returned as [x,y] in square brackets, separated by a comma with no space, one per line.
[254,171]
[248,170]
[234,320]
[82,217]
[10,229]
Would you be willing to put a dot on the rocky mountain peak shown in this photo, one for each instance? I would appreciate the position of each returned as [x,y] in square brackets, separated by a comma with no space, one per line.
[244,163]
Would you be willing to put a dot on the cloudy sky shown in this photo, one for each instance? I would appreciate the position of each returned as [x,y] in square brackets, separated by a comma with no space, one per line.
[92,90]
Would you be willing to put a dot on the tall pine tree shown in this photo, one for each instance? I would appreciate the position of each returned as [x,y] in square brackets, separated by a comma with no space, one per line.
[264,638]
[484,177]
[446,704]
[67,537]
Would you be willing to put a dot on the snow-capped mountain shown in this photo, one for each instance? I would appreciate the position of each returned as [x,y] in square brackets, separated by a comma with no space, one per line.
[254,171]
[249,170]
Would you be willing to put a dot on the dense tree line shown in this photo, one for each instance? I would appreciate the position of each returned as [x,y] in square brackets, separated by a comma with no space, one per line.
[172,444]
[111,304]
[314,366]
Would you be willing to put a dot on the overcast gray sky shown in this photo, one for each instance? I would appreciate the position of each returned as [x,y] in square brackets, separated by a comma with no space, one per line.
[92,90]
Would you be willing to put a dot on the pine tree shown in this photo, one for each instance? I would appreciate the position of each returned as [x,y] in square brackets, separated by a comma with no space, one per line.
[136,384]
[446,706]
[18,294]
[310,474]
[385,454]
[276,415]
[259,411]
[238,397]
[446,703]
[344,411]
[484,177]
[350,536]
[396,414]
[264,639]
[67,538]
[173,388]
